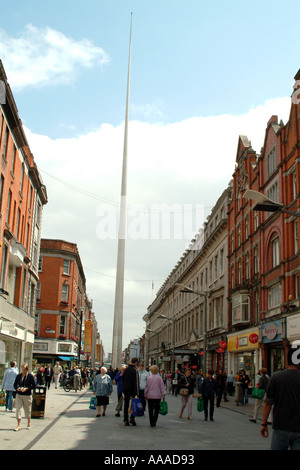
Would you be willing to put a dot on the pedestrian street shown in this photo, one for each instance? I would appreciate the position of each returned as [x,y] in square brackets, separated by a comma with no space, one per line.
[70,424]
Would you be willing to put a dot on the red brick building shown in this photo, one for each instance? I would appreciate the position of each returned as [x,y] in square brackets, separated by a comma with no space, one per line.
[62,305]
[22,197]
[264,259]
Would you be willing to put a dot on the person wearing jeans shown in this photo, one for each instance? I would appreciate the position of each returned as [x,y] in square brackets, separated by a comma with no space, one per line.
[244,379]
[8,385]
[208,391]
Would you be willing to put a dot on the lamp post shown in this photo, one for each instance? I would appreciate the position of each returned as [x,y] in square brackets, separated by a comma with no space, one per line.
[173,338]
[188,290]
[263,203]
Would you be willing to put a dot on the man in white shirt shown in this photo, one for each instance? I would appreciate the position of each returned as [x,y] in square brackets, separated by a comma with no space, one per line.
[8,385]
[143,377]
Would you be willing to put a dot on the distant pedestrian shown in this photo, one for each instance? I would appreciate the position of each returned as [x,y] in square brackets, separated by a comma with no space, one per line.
[208,392]
[154,392]
[186,390]
[221,383]
[230,383]
[175,378]
[130,389]
[39,374]
[8,385]
[283,393]
[245,381]
[119,382]
[102,388]
[143,377]
[57,371]
[24,384]
[48,374]
[262,385]
[199,380]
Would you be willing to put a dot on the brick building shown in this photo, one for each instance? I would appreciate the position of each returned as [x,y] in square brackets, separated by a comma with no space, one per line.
[263,250]
[22,197]
[64,317]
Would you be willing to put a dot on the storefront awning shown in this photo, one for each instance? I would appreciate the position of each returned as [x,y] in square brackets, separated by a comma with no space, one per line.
[67,358]
[185,351]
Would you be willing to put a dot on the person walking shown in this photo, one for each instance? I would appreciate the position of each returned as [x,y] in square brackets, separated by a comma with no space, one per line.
[143,377]
[102,388]
[175,378]
[186,390]
[262,385]
[221,383]
[244,379]
[39,374]
[48,374]
[130,388]
[24,384]
[283,393]
[8,385]
[57,371]
[119,382]
[208,392]
[154,392]
[230,383]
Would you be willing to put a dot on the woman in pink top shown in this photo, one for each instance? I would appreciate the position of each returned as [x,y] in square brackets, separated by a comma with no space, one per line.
[154,392]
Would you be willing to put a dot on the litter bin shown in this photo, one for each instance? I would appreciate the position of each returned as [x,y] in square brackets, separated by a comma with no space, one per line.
[238,393]
[38,402]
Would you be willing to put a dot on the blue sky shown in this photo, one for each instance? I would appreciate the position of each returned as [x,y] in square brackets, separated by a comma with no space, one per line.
[202,73]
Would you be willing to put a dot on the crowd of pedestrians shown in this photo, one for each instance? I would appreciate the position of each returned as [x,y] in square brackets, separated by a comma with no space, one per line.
[279,395]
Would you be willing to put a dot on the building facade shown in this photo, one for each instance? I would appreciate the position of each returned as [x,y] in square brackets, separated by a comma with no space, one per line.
[22,197]
[64,318]
[186,328]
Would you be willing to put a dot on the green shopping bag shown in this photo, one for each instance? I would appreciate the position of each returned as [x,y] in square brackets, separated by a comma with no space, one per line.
[163,408]
[258,393]
[200,404]
[92,403]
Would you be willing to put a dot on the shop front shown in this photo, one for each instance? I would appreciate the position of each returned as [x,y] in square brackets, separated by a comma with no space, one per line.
[271,336]
[244,353]
[15,345]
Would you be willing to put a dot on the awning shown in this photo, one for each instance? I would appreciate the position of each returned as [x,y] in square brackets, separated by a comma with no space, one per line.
[185,351]
[67,358]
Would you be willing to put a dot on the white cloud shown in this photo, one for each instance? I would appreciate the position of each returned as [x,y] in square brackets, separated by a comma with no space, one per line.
[43,56]
[186,162]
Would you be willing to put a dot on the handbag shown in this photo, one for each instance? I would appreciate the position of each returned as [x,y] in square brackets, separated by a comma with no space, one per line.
[184,391]
[163,408]
[200,404]
[92,403]
[2,398]
[137,407]
[258,393]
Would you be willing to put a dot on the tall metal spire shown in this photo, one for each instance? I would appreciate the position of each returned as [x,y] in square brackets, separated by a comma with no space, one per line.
[119,293]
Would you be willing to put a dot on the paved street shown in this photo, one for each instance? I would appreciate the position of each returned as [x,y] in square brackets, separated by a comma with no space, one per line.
[70,424]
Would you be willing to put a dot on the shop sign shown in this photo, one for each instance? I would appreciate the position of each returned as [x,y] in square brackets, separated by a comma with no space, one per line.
[220,351]
[223,344]
[243,342]
[271,330]
[9,326]
[293,327]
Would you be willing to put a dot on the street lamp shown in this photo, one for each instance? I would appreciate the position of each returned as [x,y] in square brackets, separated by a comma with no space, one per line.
[173,337]
[188,290]
[263,203]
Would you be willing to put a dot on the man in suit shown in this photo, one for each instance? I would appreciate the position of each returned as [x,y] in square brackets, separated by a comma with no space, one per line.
[130,388]
[48,374]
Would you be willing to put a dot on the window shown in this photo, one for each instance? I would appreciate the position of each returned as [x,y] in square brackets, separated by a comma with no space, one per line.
[22,179]
[294,177]
[296,235]
[296,281]
[66,266]
[272,193]
[255,220]
[40,263]
[5,143]
[62,324]
[240,308]
[275,296]
[240,272]
[247,266]
[275,252]
[271,161]
[8,207]
[1,191]
[65,293]
[247,227]
[256,260]
[239,235]
[38,291]
[4,264]
[13,161]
